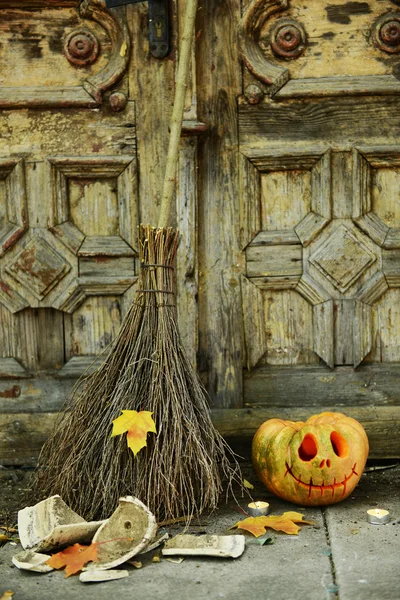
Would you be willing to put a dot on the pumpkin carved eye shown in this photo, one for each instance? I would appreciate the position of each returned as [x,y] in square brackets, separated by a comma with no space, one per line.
[339,445]
[308,448]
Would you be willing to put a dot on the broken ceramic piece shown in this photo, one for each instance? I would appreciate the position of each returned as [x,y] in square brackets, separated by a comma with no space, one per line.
[126,533]
[224,546]
[160,540]
[93,576]
[51,524]
[28,560]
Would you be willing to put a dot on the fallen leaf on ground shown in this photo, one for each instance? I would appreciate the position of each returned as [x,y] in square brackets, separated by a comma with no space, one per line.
[7,595]
[4,538]
[248,485]
[286,523]
[137,424]
[73,558]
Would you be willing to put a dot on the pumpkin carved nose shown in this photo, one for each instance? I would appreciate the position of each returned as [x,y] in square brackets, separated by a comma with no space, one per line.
[322,463]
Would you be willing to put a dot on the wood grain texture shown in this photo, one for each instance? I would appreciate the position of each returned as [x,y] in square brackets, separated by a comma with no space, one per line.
[253,323]
[338,120]
[285,199]
[344,317]
[92,327]
[219,79]
[324,332]
[274,261]
[288,319]
[187,258]
[371,386]
[362,332]
[152,86]
[339,86]
[250,194]
[385,328]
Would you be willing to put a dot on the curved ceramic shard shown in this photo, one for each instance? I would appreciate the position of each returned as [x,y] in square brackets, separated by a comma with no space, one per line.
[29,560]
[223,546]
[92,576]
[51,524]
[126,533]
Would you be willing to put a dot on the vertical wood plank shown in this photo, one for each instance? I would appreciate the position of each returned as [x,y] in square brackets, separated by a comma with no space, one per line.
[323,332]
[92,326]
[219,85]
[6,333]
[342,184]
[288,318]
[250,200]
[253,323]
[151,83]
[38,194]
[286,199]
[386,328]
[39,339]
[362,332]
[187,264]
[344,313]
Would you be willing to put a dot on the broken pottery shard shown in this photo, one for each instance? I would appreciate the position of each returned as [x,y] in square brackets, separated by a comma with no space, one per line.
[224,546]
[92,576]
[156,543]
[128,531]
[29,560]
[51,524]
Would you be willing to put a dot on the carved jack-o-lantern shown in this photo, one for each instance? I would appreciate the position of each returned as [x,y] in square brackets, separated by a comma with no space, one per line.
[313,463]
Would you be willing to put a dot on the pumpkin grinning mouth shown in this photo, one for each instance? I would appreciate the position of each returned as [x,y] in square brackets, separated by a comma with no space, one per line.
[311,486]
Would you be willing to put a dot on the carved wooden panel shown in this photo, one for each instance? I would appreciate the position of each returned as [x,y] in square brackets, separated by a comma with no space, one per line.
[294,50]
[68,242]
[342,257]
[83,45]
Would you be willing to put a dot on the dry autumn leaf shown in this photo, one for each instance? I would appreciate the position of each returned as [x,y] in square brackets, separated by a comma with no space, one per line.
[248,485]
[73,558]
[137,424]
[7,595]
[286,523]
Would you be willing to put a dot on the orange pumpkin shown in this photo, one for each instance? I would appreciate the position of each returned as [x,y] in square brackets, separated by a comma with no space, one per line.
[313,463]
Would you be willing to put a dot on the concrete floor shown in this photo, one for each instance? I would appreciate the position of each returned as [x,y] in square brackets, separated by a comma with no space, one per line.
[342,557]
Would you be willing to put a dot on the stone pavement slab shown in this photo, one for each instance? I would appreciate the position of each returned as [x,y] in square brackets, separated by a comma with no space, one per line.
[367,557]
[342,558]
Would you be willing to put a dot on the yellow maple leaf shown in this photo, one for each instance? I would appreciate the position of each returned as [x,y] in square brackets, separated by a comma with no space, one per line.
[286,523]
[73,558]
[137,424]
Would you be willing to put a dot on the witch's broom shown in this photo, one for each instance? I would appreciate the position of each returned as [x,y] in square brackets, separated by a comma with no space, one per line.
[181,470]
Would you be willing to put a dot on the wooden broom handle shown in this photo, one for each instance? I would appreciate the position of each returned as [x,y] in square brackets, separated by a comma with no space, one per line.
[177,113]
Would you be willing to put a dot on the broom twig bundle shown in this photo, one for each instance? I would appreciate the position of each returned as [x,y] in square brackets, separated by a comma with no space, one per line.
[181,470]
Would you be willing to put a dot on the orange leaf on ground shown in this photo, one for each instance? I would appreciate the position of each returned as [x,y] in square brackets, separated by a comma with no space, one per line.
[137,424]
[73,558]
[286,523]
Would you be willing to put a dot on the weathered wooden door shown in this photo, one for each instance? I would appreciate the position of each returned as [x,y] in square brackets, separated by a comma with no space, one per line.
[319,127]
[288,200]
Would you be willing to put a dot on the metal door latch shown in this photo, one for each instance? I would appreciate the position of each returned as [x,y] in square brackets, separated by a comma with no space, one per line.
[159,35]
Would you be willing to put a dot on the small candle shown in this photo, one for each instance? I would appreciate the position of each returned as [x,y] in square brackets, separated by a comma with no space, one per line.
[258,509]
[378,516]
